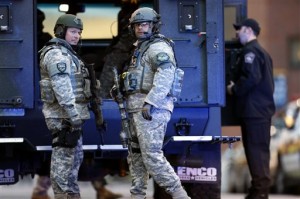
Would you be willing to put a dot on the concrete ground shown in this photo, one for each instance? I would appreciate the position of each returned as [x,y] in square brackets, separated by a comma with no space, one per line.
[23,189]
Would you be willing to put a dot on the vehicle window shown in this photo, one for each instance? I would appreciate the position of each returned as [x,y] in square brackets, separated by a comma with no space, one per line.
[99,21]
[230,13]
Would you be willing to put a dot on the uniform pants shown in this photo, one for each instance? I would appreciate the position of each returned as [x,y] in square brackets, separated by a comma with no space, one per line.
[65,164]
[150,160]
[256,141]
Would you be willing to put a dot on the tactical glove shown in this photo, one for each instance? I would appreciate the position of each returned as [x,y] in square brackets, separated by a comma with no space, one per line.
[229,88]
[113,93]
[146,111]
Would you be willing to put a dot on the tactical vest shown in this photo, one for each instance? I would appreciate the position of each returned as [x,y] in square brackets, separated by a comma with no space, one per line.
[135,80]
[79,77]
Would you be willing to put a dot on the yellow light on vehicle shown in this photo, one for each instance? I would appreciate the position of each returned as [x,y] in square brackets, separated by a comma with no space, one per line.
[63,7]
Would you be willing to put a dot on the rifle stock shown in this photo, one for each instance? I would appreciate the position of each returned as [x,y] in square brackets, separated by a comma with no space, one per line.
[96,100]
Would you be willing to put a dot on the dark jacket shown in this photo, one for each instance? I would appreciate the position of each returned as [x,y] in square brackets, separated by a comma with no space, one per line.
[255,86]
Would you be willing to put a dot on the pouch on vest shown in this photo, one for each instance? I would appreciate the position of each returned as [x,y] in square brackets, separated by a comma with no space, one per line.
[87,88]
[130,81]
[47,94]
[67,138]
[177,83]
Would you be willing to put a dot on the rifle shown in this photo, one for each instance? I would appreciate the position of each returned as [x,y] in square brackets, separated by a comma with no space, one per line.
[96,101]
[125,134]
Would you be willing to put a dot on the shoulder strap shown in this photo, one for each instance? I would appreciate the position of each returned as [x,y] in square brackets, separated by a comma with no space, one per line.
[144,47]
[47,48]
[65,51]
[154,39]
[74,57]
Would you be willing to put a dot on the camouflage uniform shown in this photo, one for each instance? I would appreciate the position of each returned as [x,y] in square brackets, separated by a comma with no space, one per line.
[62,91]
[153,86]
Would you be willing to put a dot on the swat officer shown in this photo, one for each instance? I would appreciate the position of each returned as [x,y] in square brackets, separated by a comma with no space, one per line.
[65,104]
[147,85]
[253,91]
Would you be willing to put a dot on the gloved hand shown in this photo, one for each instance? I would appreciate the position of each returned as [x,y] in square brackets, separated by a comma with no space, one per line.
[113,93]
[146,111]
[229,87]
[76,122]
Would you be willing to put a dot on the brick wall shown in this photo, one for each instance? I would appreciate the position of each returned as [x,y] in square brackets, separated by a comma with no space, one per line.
[279,20]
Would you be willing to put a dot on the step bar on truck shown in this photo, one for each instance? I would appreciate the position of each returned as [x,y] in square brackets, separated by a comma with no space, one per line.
[25,143]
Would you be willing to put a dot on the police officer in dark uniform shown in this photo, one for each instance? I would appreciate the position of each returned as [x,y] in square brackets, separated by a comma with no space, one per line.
[253,92]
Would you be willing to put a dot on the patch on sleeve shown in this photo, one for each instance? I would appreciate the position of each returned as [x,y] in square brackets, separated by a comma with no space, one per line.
[162,57]
[249,58]
[61,67]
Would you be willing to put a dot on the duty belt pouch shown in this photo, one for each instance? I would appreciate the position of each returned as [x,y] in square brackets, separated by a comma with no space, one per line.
[67,138]
[72,137]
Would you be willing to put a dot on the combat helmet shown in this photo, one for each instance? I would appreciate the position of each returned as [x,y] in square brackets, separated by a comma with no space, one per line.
[145,14]
[65,21]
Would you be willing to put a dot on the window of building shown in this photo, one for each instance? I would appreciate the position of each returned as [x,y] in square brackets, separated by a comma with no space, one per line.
[294,52]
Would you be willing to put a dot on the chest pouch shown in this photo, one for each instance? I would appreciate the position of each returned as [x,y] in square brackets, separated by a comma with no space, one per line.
[129,81]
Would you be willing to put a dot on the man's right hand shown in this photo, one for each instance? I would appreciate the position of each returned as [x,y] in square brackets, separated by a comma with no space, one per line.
[229,87]
[113,92]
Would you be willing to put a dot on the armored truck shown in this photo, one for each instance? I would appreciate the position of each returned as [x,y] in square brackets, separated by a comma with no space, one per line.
[193,138]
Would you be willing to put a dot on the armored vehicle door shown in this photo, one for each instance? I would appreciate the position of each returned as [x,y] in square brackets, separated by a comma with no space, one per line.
[235,11]
[196,27]
[16,57]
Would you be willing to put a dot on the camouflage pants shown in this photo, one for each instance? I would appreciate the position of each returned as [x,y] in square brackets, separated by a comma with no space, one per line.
[150,160]
[65,163]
